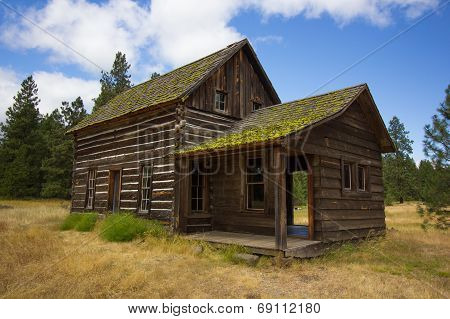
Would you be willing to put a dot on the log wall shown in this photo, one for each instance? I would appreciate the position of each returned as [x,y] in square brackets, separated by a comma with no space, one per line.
[342,215]
[145,138]
[238,79]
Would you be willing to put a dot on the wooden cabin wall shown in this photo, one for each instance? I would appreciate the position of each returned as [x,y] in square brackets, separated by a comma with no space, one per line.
[226,196]
[242,85]
[202,126]
[340,215]
[125,146]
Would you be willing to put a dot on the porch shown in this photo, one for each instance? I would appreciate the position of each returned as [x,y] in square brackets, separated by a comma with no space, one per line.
[262,244]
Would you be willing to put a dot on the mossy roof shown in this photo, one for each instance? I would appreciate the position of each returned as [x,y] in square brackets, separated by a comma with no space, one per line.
[280,120]
[174,85]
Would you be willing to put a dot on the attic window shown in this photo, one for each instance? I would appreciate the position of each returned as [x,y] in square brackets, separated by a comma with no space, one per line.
[256,106]
[220,101]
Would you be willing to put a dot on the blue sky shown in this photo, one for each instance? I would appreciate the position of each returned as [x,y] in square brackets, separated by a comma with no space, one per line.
[301,44]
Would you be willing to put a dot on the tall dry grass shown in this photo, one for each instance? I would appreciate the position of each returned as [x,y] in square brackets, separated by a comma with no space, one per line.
[39,261]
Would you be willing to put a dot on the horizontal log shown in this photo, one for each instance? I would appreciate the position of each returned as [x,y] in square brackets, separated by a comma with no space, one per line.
[331,236]
[346,214]
[337,225]
[348,204]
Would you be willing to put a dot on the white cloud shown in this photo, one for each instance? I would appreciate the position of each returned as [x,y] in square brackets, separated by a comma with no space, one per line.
[96,31]
[53,88]
[377,12]
[9,84]
[268,39]
[170,32]
[56,87]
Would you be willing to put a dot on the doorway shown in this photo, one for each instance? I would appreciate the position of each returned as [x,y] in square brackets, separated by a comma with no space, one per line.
[298,198]
[115,177]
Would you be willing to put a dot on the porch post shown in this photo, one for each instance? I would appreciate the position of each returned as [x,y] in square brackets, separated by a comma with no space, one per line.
[181,192]
[279,163]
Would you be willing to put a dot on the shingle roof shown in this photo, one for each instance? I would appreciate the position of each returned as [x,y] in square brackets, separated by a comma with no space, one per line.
[168,87]
[279,120]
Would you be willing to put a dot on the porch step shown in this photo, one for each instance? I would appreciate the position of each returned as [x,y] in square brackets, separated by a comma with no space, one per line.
[198,228]
[198,223]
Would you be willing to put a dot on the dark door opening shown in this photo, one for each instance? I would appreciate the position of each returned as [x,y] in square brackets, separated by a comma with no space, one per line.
[299,217]
[114,190]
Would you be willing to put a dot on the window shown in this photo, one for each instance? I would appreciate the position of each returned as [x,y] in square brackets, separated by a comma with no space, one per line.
[256,106]
[362,178]
[255,184]
[347,176]
[220,101]
[146,190]
[90,189]
[196,189]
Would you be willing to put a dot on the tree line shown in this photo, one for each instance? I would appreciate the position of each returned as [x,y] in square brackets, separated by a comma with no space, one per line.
[36,154]
[429,182]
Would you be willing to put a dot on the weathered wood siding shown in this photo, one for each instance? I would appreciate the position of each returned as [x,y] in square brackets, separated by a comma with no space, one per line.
[227,205]
[342,215]
[241,83]
[126,145]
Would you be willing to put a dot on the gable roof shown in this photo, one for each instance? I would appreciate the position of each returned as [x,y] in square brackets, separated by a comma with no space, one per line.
[277,121]
[172,86]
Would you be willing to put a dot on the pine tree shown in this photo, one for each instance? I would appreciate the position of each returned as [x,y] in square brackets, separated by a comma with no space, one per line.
[21,150]
[154,75]
[399,169]
[72,114]
[436,183]
[437,139]
[114,82]
[57,166]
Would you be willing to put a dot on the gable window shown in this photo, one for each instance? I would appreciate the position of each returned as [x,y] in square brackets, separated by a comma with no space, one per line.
[255,183]
[90,189]
[362,178]
[220,101]
[146,189]
[197,188]
[256,106]
[347,176]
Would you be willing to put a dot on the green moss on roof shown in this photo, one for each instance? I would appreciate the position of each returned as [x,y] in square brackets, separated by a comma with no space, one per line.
[277,121]
[165,88]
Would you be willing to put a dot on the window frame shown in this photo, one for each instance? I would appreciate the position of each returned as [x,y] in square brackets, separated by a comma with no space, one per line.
[91,177]
[365,169]
[350,170]
[149,178]
[196,167]
[247,184]
[256,103]
[224,102]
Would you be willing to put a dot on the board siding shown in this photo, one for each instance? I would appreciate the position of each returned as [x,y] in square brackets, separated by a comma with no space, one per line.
[145,138]
[340,215]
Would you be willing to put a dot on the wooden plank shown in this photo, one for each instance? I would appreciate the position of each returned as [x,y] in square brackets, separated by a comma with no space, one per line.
[280,198]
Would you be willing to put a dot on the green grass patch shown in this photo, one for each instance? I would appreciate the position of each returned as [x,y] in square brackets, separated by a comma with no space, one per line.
[83,222]
[87,222]
[122,227]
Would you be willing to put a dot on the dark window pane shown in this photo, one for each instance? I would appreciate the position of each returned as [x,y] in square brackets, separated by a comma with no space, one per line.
[194,204]
[361,178]
[256,196]
[256,106]
[347,176]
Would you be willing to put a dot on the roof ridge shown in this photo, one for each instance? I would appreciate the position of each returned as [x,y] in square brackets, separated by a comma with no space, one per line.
[314,96]
[195,61]
[176,69]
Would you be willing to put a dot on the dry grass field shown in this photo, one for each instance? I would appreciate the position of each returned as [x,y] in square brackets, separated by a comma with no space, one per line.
[37,260]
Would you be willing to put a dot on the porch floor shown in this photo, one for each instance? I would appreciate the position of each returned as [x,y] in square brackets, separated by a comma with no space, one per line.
[263,245]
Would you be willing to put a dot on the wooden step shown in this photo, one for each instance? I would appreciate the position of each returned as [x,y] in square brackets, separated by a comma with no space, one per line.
[198,228]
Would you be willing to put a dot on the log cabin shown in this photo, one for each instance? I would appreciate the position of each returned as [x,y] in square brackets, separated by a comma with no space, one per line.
[209,149]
